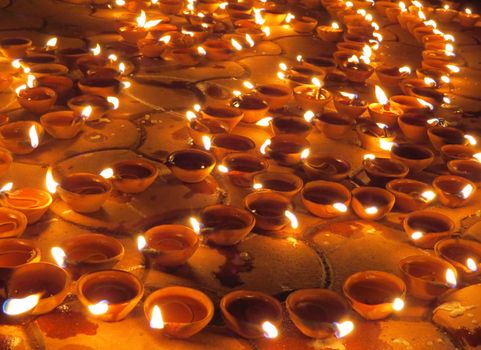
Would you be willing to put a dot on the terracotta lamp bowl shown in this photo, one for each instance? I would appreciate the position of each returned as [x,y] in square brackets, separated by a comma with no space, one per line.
[416,157]
[440,136]
[292,125]
[223,144]
[30,201]
[425,227]
[269,209]
[277,96]
[454,191]
[15,137]
[414,126]
[284,183]
[467,168]
[12,223]
[287,149]
[242,167]
[191,165]
[133,175]
[326,168]
[365,199]
[411,195]
[326,199]
[382,170]
[457,152]
[252,106]
[334,125]
[457,252]
[17,252]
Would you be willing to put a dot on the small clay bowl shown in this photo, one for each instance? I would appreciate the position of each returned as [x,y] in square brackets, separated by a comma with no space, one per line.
[457,252]
[244,312]
[309,97]
[326,199]
[227,116]
[30,201]
[84,192]
[191,165]
[320,64]
[100,86]
[287,149]
[425,276]
[467,168]
[408,104]
[100,106]
[284,183]
[440,136]
[357,72]
[16,252]
[416,157]
[12,223]
[414,126]
[45,69]
[382,170]
[170,245]
[69,56]
[199,128]
[226,225]
[303,24]
[372,136]
[329,34]
[223,144]
[253,107]
[242,167]
[371,293]
[364,199]
[48,280]
[120,289]
[334,125]
[425,228]
[326,168]
[185,311]
[385,115]
[450,190]
[60,84]
[292,125]
[409,194]
[37,100]
[351,108]
[62,124]
[133,175]
[14,47]
[390,76]
[217,96]
[316,311]
[457,152]
[269,209]
[277,96]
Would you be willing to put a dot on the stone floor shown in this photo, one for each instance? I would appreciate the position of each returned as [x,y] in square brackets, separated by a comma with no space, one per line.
[150,123]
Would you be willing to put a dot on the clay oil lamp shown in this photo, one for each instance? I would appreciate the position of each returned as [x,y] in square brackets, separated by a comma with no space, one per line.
[14,47]
[171,7]
[457,152]
[219,49]
[225,225]
[454,191]
[416,157]
[191,165]
[12,223]
[411,195]
[228,116]
[6,160]
[463,254]
[242,167]
[276,95]
[217,96]
[134,31]
[255,33]
[415,126]
[383,111]
[375,294]
[355,70]
[292,125]
[37,100]
[375,136]
[252,106]
[21,137]
[286,149]
[326,199]
[427,277]
[87,253]
[201,130]
[36,289]
[467,168]
[353,48]
[332,33]
[33,59]
[109,295]
[425,227]
[349,104]
[301,75]
[84,192]
[320,64]
[341,57]
[319,313]
[69,56]
[271,210]
[16,252]
[178,312]
[274,16]
[467,18]
[303,24]
[391,76]
[133,175]
[60,84]
[382,170]
[98,104]
[197,31]
[236,8]
[334,125]
[100,86]
[151,47]
[281,182]
[184,57]
[169,245]
[40,70]
[312,97]
[63,124]
[251,314]
[440,136]
[326,168]
[371,203]
[223,144]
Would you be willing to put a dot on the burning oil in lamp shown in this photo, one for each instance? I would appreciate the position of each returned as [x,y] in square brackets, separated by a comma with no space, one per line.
[375,136]
[319,313]
[411,195]
[416,157]
[355,70]
[99,105]
[271,210]
[191,165]
[109,295]
[467,18]
[349,104]
[303,24]
[16,252]
[457,152]
[284,183]
[64,124]
[425,227]
[467,168]
[312,97]
[88,253]
[454,191]
[326,168]
[223,144]
[36,288]
[251,314]
[15,47]
[371,203]
[326,199]
[178,312]
[37,100]
[463,254]
[332,33]
[12,223]
[82,192]
[252,106]
[132,32]
[382,170]
[242,167]
[292,125]
[445,135]
[131,175]
[375,294]
[169,245]
[427,277]
[286,149]
[334,125]
[152,47]
[383,111]
[225,225]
